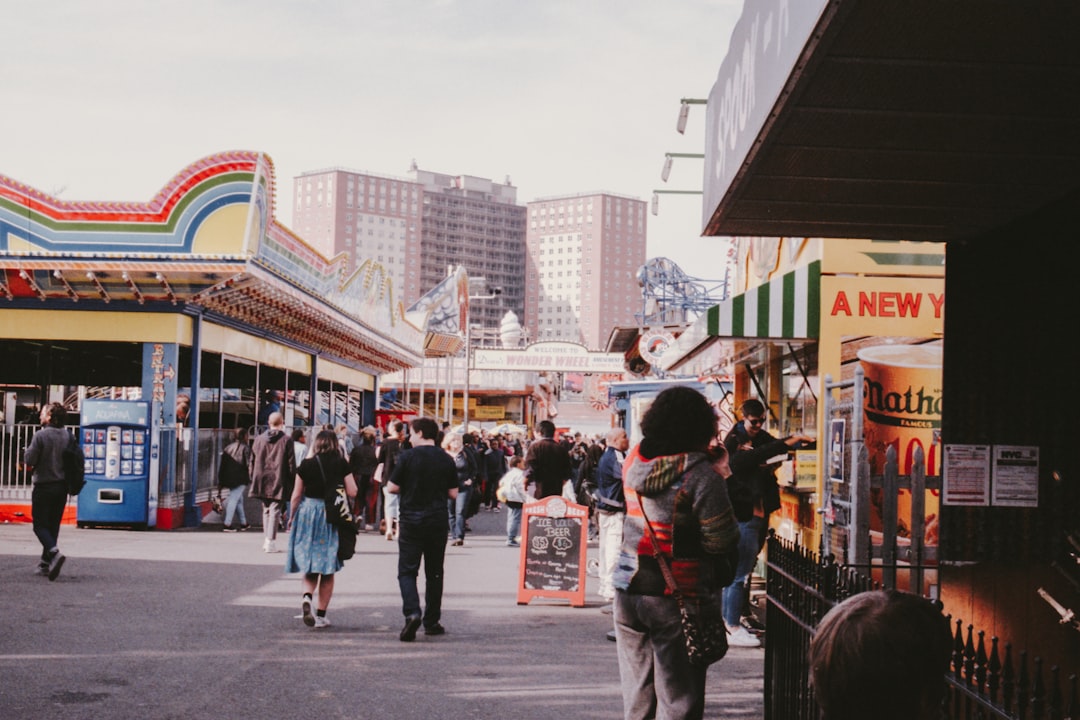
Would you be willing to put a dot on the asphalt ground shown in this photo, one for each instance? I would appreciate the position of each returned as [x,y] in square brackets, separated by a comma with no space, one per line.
[197,623]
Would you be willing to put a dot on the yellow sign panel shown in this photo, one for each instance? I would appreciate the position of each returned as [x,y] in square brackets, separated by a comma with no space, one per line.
[806,469]
[884,258]
[487,412]
[94,325]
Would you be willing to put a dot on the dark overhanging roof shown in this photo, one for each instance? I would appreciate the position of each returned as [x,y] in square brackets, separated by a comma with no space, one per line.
[919,120]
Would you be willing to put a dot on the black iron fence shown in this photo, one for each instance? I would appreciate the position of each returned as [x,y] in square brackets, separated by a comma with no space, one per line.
[984,683]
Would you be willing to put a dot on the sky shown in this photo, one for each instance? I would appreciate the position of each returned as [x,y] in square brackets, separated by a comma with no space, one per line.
[107,101]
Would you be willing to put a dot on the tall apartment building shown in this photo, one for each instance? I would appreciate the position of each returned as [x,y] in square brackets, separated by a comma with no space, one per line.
[583,254]
[368,216]
[476,223]
[417,228]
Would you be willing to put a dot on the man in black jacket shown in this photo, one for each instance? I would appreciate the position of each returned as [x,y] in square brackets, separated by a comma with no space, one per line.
[479,479]
[547,463]
[495,464]
[754,497]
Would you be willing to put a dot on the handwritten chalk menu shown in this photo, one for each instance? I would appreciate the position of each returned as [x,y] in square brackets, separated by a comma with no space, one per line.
[554,540]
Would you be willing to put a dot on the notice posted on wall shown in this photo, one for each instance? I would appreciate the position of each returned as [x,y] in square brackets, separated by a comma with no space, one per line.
[1015,476]
[967,475]
[837,439]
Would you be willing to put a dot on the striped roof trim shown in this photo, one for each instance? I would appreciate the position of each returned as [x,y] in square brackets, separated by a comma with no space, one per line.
[787,308]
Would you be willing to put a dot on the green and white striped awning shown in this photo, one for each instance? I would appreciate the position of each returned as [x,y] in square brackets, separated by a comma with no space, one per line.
[787,308]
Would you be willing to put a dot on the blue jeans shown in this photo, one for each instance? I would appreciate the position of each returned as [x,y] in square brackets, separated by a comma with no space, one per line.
[456,510]
[421,540]
[655,674]
[513,521]
[751,540]
[235,504]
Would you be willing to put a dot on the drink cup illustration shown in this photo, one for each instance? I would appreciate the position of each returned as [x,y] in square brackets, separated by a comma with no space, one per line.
[902,403]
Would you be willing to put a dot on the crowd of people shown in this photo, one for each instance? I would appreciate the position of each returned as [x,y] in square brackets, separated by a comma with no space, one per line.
[684,497]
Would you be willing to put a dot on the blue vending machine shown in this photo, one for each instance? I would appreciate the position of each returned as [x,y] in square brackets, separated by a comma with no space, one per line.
[115,438]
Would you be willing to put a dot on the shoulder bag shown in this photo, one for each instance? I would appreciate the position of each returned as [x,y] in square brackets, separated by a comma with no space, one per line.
[705,634]
[339,514]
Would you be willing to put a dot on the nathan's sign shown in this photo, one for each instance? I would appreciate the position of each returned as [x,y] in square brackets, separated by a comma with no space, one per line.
[554,356]
[902,401]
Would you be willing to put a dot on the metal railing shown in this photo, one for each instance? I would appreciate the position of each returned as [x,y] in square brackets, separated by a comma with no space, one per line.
[802,586]
[14,479]
[179,450]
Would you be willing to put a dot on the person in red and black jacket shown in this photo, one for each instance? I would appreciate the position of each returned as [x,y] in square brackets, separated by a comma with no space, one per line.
[670,483]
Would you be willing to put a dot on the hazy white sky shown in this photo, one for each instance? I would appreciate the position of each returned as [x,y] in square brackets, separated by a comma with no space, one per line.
[108,100]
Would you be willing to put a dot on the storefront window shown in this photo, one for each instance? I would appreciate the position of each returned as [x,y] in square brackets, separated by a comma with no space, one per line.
[799,378]
[784,378]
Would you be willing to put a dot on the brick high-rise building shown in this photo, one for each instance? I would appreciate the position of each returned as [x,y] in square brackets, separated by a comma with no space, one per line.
[476,223]
[417,228]
[583,254]
[368,216]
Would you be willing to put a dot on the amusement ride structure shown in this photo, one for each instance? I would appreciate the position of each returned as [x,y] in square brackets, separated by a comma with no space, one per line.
[671,297]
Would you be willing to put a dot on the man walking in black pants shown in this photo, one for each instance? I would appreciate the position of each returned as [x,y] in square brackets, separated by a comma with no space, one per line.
[424,478]
[45,458]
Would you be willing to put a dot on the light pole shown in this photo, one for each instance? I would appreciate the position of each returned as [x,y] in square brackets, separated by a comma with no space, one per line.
[657,193]
[492,292]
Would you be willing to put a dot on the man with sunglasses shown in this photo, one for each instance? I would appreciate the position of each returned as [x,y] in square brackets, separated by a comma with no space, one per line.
[754,497]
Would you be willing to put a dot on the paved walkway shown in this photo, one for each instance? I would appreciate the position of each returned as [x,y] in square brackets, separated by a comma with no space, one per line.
[202,624]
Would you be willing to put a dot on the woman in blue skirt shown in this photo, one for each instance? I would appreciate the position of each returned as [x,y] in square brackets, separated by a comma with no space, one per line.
[313,542]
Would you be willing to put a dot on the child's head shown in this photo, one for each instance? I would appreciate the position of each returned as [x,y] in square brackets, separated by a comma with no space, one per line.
[881,649]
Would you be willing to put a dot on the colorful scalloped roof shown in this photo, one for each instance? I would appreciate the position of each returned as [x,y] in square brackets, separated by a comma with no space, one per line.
[218,208]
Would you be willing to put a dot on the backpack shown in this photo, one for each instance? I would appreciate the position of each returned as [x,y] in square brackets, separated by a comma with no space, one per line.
[74,464]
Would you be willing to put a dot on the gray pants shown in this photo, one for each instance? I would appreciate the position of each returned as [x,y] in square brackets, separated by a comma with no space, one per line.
[271,515]
[648,627]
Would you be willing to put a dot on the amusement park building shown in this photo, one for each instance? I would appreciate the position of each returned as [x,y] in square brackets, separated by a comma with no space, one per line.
[198,288]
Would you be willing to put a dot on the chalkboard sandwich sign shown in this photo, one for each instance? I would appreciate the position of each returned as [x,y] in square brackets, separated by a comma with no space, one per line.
[554,540]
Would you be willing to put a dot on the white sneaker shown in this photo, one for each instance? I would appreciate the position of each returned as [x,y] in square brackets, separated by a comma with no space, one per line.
[741,637]
[269,546]
[321,622]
